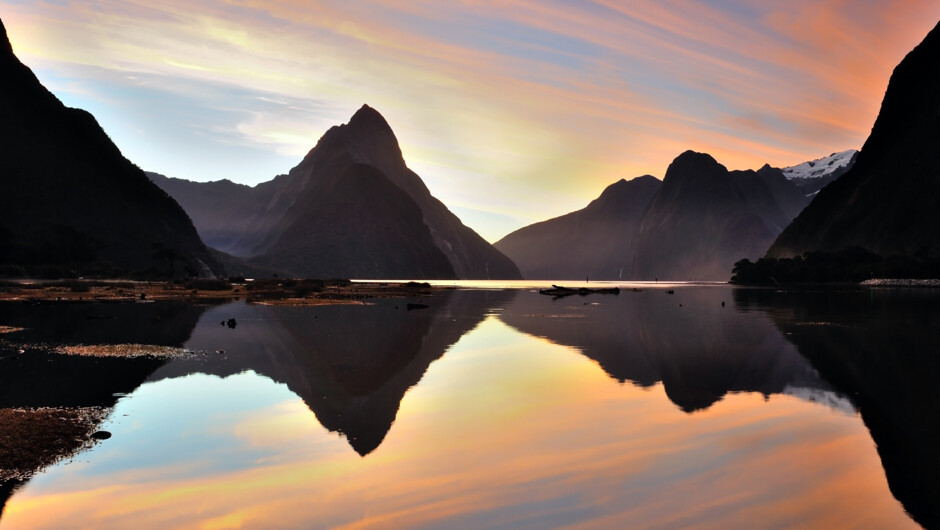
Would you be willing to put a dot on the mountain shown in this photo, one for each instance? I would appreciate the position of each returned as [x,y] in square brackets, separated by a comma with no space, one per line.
[693,225]
[218,210]
[887,202]
[351,208]
[814,175]
[596,241]
[358,224]
[787,193]
[70,203]
[704,218]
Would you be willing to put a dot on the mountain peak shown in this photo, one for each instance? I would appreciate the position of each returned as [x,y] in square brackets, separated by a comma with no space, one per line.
[369,139]
[694,157]
[369,119]
[693,164]
[6,49]
[647,179]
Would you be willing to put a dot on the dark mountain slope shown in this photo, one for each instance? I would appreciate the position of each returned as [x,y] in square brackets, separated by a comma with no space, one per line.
[704,218]
[887,202]
[226,214]
[595,242]
[358,225]
[367,139]
[790,197]
[292,221]
[70,201]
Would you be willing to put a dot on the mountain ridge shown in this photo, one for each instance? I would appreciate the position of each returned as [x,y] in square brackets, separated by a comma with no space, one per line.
[730,213]
[887,202]
[594,242]
[87,209]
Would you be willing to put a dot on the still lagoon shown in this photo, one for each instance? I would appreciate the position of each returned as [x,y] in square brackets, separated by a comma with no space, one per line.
[711,406]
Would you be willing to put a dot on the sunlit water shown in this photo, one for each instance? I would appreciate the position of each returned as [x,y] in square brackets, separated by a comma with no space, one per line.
[492,409]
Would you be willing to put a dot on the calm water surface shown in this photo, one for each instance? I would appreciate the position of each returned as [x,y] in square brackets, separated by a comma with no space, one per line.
[709,407]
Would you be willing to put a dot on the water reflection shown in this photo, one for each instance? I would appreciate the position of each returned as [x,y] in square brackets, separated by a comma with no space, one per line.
[508,428]
[351,365]
[692,341]
[881,348]
[38,378]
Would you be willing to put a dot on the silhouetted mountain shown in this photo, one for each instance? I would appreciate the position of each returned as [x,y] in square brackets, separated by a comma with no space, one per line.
[880,348]
[695,225]
[887,202]
[227,215]
[69,201]
[699,350]
[351,208]
[596,241]
[357,225]
[788,195]
[704,218]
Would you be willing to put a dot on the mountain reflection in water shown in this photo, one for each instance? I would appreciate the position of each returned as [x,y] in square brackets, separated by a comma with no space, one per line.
[699,349]
[350,364]
[881,347]
[352,367]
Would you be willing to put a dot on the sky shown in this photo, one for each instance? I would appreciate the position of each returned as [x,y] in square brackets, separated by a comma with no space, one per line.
[511,111]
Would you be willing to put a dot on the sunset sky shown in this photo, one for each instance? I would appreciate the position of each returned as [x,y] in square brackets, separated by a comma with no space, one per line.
[512,112]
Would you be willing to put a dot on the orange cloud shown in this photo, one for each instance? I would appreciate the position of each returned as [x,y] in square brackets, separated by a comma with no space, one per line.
[540,103]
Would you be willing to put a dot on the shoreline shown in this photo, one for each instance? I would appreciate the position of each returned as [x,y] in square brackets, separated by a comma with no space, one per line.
[291,292]
[265,292]
[892,282]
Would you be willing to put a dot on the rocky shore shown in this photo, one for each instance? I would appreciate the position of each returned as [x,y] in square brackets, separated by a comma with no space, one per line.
[890,282]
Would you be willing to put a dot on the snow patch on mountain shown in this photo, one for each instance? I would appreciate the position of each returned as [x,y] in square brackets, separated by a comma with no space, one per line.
[821,167]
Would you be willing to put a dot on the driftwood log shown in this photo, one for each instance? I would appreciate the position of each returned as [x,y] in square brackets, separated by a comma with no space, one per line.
[558,291]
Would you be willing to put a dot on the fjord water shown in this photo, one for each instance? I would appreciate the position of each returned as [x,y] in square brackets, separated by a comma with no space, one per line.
[712,406]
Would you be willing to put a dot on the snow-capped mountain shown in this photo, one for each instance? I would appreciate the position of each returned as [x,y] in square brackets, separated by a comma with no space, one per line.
[821,167]
[813,175]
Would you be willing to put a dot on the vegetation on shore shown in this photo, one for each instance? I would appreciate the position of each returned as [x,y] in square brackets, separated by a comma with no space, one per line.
[850,265]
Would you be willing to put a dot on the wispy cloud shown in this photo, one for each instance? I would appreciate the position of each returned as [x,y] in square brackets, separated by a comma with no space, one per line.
[538,102]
